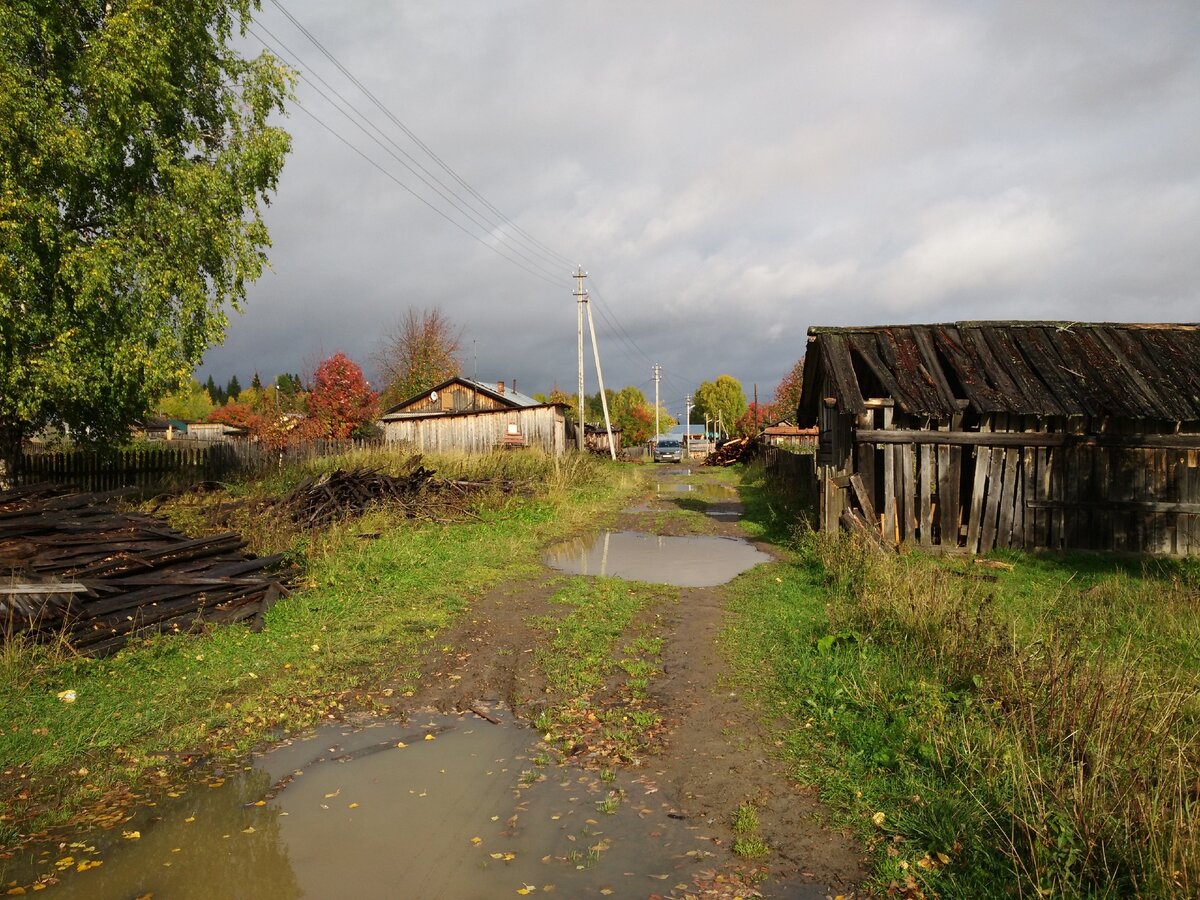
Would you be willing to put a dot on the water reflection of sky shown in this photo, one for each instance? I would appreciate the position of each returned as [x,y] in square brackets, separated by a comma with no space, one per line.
[690,561]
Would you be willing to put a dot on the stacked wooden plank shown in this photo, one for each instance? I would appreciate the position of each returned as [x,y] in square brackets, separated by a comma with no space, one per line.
[74,568]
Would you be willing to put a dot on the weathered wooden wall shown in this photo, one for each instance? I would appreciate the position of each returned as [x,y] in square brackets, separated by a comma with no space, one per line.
[454,397]
[542,427]
[1018,481]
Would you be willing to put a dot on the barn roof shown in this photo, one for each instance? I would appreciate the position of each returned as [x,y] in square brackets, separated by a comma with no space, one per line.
[1139,371]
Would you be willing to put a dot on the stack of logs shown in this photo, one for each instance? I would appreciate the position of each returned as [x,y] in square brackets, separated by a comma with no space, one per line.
[74,568]
[730,452]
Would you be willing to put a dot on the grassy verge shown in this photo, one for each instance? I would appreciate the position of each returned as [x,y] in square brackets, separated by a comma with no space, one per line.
[366,611]
[1029,726]
[598,658]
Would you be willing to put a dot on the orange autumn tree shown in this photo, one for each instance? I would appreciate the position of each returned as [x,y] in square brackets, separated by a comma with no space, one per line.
[341,400]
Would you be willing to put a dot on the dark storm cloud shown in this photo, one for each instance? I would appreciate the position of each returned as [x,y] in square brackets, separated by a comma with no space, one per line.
[731,174]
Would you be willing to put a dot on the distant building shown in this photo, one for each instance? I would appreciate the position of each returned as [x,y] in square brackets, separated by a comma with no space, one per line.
[475,417]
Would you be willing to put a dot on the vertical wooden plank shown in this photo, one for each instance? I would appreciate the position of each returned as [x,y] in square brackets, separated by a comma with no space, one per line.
[908,462]
[1164,522]
[991,503]
[889,494]
[925,485]
[983,460]
[947,511]
[1008,494]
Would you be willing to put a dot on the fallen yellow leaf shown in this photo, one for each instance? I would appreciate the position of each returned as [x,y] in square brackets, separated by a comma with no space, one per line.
[249,829]
[131,835]
[878,818]
[353,806]
[476,840]
[429,737]
[943,859]
[86,864]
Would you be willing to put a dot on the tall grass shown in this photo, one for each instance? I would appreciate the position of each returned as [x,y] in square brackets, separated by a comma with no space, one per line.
[1028,728]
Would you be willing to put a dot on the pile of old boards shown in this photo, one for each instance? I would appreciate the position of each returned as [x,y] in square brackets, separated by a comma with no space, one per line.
[74,568]
[730,452]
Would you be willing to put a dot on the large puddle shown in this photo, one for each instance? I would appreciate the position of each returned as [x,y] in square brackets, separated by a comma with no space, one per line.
[691,561]
[442,807]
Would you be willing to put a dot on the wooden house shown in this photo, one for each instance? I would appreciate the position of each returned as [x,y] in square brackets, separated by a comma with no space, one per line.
[978,435]
[475,417]
[785,434]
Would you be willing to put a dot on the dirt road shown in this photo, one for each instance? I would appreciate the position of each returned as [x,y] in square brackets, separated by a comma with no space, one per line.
[713,755]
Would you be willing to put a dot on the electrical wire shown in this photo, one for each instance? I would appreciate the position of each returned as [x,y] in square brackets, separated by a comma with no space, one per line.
[401,184]
[449,170]
[547,273]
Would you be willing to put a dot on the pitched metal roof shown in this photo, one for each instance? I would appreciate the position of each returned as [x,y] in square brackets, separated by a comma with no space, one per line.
[1138,371]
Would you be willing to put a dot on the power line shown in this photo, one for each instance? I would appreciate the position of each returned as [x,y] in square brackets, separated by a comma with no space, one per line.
[401,184]
[467,213]
[379,104]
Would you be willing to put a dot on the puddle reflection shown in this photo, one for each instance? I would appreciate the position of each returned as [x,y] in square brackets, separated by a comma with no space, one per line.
[691,561]
[463,813]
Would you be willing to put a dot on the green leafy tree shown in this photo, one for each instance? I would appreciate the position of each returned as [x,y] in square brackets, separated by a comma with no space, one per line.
[190,403]
[135,157]
[720,400]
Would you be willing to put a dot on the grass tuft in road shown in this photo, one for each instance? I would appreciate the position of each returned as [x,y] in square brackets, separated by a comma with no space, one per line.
[598,657]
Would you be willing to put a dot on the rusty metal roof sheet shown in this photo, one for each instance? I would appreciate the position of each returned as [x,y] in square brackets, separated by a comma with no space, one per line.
[1137,371]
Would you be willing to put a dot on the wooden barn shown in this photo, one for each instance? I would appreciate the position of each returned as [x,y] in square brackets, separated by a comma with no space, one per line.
[1034,435]
[475,417]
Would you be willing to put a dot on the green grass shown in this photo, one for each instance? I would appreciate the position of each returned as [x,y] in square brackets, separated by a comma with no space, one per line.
[365,613]
[988,732]
[606,628]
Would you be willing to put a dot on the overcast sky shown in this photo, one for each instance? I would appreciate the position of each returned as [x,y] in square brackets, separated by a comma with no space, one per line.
[728,174]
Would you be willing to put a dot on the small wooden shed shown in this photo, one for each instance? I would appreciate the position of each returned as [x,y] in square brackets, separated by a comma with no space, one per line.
[1034,435]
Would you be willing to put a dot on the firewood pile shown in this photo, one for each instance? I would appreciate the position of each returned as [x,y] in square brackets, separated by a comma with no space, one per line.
[733,451]
[74,568]
[343,494]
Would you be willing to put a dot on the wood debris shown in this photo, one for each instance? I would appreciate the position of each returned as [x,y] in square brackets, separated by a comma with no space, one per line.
[77,569]
[343,494]
[732,451]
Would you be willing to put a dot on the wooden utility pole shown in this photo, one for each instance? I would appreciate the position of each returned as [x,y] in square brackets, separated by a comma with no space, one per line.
[612,447]
[657,375]
[581,298]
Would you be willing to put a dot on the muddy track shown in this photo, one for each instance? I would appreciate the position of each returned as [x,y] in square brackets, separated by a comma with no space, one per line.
[716,755]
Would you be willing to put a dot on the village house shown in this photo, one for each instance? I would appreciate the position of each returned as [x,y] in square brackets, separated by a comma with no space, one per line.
[983,435]
[475,417]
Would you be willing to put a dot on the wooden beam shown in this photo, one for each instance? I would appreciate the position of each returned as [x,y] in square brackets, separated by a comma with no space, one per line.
[1030,439]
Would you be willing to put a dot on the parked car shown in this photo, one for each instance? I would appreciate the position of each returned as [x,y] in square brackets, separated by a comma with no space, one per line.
[668,450]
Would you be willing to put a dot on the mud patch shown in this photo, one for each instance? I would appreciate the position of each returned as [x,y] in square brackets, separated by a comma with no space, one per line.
[684,561]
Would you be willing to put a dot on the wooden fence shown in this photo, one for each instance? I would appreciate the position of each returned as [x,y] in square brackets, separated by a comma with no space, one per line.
[173,464]
[151,468]
[793,477]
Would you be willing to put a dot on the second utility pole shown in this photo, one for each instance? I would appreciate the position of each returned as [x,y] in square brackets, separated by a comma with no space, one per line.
[581,298]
